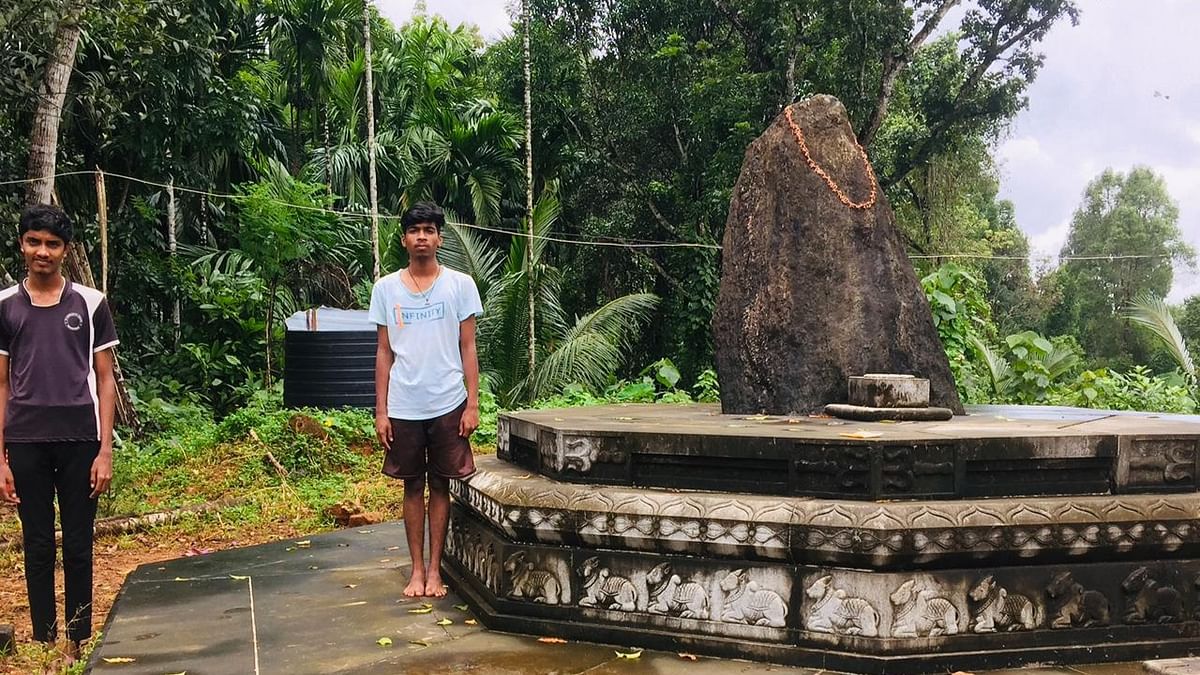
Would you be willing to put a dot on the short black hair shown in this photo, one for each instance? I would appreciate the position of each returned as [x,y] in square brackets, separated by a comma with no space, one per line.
[48,218]
[423,212]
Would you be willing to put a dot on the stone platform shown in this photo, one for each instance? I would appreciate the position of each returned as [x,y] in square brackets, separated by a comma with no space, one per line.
[603,524]
[980,455]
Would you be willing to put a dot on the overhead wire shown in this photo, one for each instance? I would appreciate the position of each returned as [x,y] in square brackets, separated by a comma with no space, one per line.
[578,240]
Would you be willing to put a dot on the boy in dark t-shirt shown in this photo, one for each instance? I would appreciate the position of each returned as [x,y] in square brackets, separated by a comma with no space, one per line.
[56,419]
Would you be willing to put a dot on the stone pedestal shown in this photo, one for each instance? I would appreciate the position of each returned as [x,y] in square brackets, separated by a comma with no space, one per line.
[877,548]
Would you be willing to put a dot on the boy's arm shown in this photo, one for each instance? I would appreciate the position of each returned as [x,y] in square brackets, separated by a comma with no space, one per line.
[383,368]
[470,361]
[106,391]
[8,490]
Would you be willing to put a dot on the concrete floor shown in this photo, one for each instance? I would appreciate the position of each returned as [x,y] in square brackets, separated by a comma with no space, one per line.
[292,608]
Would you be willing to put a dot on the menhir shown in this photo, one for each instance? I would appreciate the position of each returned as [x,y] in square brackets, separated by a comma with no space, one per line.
[815,285]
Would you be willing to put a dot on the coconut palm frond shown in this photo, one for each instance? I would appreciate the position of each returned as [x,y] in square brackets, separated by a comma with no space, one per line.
[1152,312]
[467,252]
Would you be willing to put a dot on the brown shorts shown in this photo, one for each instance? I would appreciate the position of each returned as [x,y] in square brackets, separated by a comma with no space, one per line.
[429,445]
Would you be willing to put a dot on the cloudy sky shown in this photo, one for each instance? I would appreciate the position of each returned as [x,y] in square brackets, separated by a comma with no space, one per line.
[1119,90]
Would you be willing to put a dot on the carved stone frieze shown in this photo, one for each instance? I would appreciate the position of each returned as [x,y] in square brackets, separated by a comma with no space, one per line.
[601,588]
[1076,606]
[1150,601]
[503,437]
[994,609]
[804,529]
[1157,463]
[531,582]
[919,611]
[671,595]
[834,611]
[745,602]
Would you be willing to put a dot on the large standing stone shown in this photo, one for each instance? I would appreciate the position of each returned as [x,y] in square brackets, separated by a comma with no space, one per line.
[813,291]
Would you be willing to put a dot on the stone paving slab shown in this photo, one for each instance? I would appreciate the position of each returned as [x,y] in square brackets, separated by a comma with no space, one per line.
[295,609]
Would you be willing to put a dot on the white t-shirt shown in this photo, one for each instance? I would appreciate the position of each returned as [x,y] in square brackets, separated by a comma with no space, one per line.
[426,379]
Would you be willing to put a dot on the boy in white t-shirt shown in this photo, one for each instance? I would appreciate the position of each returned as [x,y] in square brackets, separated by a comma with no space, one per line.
[426,385]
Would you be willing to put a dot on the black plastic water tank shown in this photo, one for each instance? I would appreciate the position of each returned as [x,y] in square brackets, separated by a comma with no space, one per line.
[329,362]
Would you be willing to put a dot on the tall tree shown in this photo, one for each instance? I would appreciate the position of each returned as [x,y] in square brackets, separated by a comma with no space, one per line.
[1132,218]
[43,144]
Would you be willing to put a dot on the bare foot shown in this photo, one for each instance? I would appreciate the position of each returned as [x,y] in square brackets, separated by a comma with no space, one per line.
[416,586]
[434,587]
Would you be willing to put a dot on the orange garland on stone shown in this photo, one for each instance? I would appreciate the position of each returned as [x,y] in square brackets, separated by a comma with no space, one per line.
[816,168]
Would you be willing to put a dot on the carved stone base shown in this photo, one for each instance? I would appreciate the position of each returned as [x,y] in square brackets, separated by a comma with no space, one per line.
[997,539]
[828,617]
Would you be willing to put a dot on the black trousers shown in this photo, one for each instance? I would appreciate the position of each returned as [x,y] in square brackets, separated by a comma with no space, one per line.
[41,471]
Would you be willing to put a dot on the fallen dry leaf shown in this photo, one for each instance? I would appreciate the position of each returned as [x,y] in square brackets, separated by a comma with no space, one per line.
[118,659]
[757,418]
[351,586]
[420,610]
[443,622]
[384,642]
[629,655]
[861,434]
[183,578]
[461,608]
[687,656]
[471,622]
[552,640]
[304,544]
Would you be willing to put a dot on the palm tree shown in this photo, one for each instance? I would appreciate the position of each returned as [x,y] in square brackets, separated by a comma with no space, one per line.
[585,351]
[451,145]
[309,38]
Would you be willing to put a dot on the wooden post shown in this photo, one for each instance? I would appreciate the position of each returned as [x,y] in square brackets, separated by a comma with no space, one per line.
[102,213]
[171,248]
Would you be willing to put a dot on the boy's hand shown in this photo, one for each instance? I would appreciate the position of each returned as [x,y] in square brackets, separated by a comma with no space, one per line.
[469,422]
[101,473]
[383,429]
[8,488]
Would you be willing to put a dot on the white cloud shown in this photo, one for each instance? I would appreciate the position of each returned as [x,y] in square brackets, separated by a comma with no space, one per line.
[1018,153]
[1048,243]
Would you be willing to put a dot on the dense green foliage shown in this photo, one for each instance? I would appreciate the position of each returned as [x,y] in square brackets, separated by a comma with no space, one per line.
[641,110]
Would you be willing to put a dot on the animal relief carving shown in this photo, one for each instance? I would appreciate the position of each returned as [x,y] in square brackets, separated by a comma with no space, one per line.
[1147,601]
[1077,608]
[833,612]
[920,612]
[995,609]
[746,603]
[671,595]
[605,591]
[531,584]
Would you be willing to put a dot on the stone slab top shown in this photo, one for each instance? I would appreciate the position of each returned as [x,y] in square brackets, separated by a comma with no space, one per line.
[980,422]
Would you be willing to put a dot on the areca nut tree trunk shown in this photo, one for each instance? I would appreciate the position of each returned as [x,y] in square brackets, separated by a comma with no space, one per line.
[374,191]
[529,173]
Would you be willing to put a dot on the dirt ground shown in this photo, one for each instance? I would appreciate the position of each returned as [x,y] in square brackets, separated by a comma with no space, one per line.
[114,558]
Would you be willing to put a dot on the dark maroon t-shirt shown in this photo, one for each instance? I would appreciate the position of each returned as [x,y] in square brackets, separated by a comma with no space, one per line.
[51,351]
